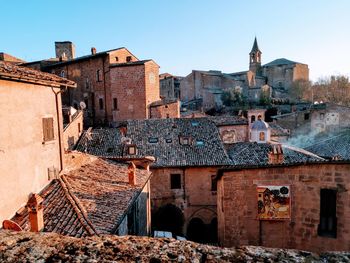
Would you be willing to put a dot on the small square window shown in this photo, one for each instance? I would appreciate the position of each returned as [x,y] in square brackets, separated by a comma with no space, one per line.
[306,116]
[132,150]
[175,181]
[199,143]
[152,140]
[128,58]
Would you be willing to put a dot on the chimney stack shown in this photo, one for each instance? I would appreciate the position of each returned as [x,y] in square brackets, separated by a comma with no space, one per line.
[93,51]
[36,215]
[276,155]
[132,173]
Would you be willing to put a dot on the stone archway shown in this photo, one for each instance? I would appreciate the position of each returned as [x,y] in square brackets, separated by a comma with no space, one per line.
[168,218]
[196,230]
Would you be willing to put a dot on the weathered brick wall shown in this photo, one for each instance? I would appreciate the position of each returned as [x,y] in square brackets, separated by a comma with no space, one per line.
[128,87]
[237,207]
[120,55]
[195,198]
[89,89]
[171,110]
[151,88]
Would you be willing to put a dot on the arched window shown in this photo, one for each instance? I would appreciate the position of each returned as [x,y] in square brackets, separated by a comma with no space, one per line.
[262,136]
[252,119]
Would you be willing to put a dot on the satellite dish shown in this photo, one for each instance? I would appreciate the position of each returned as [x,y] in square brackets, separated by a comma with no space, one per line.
[82,105]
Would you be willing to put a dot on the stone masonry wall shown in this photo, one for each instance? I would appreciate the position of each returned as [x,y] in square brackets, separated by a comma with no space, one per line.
[237,207]
[171,110]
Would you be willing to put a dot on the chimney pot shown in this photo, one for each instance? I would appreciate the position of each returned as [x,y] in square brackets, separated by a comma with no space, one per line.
[35,210]
[276,154]
[132,173]
[93,51]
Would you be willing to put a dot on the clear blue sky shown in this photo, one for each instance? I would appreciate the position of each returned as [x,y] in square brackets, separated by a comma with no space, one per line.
[181,35]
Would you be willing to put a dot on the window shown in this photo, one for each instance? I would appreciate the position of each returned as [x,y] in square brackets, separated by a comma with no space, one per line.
[168,140]
[184,140]
[328,219]
[199,143]
[115,103]
[132,150]
[87,83]
[175,181]
[152,140]
[262,136]
[321,116]
[214,185]
[116,59]
[128,58]
[48,134]
[98,75]
[100,103]
[63,74]
[195,123]
[306,116]
[252,119]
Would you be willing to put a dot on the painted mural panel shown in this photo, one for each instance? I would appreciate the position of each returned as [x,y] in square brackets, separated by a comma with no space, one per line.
[274,202]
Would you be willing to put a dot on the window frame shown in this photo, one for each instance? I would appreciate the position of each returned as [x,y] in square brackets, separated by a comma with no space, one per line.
[175,181]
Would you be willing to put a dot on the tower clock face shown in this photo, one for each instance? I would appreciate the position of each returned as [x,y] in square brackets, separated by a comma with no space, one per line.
[152,78]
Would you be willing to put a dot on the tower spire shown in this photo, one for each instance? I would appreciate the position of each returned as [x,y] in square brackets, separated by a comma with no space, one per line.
[255,58]
[255,46]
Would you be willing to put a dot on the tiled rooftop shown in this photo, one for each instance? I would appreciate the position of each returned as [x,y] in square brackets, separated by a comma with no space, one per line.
[228,120]
[162,138]
[336,146]
[88,200]
[11,71]
[252,154]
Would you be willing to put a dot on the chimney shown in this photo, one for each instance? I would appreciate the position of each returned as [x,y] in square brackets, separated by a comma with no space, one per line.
[132,173]
[276,155]
[36,215]
[93,51]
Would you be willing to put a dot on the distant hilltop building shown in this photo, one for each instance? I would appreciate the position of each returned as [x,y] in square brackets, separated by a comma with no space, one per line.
[274,79]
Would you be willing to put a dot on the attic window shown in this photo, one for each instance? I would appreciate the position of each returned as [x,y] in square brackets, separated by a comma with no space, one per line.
[132,150]
[262,136]
[128,58]
[184,140]
[116,59]
[152,140]
[195,123]
[199,142]
[168,140]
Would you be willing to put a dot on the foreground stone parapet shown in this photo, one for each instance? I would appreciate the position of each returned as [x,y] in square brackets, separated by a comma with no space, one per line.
[49,247]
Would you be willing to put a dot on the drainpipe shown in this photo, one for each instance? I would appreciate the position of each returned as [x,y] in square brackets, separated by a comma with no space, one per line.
[59,130]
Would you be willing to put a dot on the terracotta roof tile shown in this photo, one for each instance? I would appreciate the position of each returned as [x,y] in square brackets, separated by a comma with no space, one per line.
[92,199]
[11,71]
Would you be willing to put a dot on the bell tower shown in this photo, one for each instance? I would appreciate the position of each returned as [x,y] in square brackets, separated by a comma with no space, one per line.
[255,59]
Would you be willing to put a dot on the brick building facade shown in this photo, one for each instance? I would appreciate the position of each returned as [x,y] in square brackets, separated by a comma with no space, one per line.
[319,209]
[114,85]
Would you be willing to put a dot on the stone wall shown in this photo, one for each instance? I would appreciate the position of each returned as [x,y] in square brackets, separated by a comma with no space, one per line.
[237,207]
[167,110]
[195,198]
[72,132]
[26,160]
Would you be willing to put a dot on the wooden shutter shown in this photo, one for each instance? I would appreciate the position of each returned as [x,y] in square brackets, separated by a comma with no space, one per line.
[48,134]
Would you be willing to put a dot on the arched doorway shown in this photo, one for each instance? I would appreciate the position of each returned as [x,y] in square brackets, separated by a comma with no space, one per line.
[213,231]
[196,230]
[169,218]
